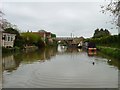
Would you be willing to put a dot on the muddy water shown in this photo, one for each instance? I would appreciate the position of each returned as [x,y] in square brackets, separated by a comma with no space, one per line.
[58,68]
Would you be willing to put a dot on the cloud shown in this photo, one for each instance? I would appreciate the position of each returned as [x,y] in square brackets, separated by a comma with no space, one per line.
[63,18]
[54,0]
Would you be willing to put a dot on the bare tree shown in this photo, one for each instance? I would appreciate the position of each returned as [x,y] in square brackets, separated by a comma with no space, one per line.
[114,8]
[5,24]
[1,18]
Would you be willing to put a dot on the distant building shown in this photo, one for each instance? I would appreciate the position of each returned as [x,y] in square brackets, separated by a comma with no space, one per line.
[8,39]
[44,35]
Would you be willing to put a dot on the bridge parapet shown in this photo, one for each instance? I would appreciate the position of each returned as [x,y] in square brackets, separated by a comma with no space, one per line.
[64,38]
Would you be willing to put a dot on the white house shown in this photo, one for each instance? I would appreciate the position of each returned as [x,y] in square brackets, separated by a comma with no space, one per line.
[8,39]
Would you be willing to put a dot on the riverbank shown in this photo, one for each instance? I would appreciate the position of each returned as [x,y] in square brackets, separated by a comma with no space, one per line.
[28,48]
[10,50]
[25,49]
[110,51]
[17,49]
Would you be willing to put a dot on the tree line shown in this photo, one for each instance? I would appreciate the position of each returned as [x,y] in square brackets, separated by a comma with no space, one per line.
[103,38]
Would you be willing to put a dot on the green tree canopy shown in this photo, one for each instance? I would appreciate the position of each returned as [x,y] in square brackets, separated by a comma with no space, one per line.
[101,33]
[53,35]
[32,39]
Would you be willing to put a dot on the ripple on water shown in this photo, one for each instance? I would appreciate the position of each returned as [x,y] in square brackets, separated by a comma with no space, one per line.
[54,80]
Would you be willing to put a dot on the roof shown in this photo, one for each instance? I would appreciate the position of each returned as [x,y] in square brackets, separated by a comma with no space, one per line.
[42,31]
[9,33]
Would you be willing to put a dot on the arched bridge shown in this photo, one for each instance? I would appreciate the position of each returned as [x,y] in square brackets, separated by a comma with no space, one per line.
[69,40]
[64,38]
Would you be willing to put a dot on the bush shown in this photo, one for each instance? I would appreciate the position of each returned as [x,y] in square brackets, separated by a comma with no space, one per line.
[110,41]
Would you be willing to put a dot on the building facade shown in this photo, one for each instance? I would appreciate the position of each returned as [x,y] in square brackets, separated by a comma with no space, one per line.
[8,40]
[44,35]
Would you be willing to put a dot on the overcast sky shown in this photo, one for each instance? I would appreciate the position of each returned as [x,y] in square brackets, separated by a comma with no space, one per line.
[61,18]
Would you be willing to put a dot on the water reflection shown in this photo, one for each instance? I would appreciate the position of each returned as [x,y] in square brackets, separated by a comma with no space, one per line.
[61,48]
[92,53]
[60,67]
[12,62]
[40,55]
[65,49]
[9,63]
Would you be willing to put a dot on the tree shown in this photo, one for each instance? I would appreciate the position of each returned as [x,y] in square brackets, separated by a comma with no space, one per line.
[32,39]
[114,8]
[1,14]
[53,35]
[4,23]
[12,31]
[101,33]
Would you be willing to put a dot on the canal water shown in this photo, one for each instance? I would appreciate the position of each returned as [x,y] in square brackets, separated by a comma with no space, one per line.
[59,68]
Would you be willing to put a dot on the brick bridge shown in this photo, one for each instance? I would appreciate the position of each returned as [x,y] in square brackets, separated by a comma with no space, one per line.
[64,38]
[70,40]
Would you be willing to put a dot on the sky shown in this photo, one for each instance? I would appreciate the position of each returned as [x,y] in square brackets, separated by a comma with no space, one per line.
[59,17]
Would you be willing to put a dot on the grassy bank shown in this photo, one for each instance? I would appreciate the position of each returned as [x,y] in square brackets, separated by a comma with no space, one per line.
[112,52]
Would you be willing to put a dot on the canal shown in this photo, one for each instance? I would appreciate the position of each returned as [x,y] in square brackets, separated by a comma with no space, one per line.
[59,68]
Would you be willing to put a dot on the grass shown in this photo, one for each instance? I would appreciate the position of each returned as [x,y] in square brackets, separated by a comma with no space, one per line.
[112,52]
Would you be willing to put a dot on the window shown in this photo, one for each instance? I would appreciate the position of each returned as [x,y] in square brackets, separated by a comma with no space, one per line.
[11,38]
[8,38]
[5,37]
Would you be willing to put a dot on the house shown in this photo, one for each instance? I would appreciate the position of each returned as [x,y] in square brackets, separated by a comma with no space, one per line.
[78,40]
[44,35]
[8,39]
